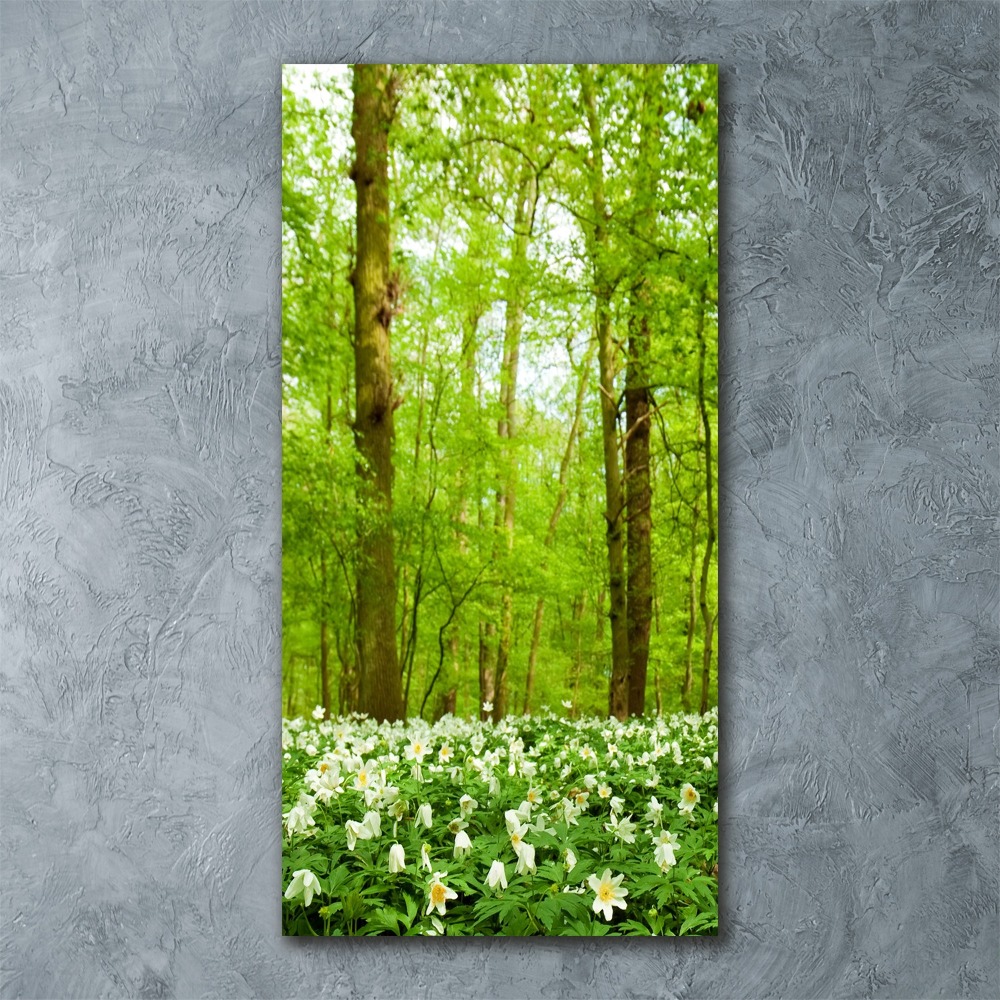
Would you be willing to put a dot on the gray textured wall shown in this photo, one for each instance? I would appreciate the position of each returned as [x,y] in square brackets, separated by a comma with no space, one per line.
[139,577]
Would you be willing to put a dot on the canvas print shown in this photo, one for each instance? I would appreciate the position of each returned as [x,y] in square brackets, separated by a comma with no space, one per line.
[499,500]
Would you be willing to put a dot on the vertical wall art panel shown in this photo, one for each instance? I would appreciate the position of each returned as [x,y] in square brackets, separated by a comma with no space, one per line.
[499,437]
[140,475]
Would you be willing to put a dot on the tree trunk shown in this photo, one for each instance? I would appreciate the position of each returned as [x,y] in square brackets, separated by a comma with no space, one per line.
[692,620]
[374,301]
[639,599]
[550,534]
[507,427]
[618,688]
[707,617]
[638,493]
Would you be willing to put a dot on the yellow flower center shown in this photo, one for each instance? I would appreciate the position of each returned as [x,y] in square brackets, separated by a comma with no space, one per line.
[362,778]
[689,794]
[606,892]
[417,748]
[515,839]
[437,893]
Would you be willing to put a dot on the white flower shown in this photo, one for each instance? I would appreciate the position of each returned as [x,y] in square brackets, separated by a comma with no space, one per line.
[364,776]
[689,798]
[498,874]
[356,831]
[622,828]
[417,750]
[299,819]
[445,754]
[706,763]
[607,893]
[570,862]
[487,706]
[525,859]
[327,784]
[515,817]
[438,893]
[663,854]
[467,805]
[424,815]
[457,824]
[317,713]
[664,857]
[397,859]
[425,858]
[617,803]
[303,884]
[655,813]
[566,704]
[462,844]
[374,823]
[665,837]
[715,807]
[517,834]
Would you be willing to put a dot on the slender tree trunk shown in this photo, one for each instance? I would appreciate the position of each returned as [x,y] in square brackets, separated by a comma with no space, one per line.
[707,617]
[374,300]
[579,606]
[324,646]
[618,688]
[487,691]
[291,688]
[550,534]
[692,602]
[639,600]
[324,639]
[507,428]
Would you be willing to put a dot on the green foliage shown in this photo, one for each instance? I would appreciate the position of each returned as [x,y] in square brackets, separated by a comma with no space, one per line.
[556,801]
[461,139]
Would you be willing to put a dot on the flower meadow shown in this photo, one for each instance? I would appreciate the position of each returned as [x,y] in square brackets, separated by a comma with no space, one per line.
[531,825]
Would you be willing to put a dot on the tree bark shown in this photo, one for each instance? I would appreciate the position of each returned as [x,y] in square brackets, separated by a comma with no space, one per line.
[618,689]
[638,491]
[374,301]
[638,495]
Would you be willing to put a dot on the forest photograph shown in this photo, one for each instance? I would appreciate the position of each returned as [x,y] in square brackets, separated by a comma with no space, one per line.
[499,500]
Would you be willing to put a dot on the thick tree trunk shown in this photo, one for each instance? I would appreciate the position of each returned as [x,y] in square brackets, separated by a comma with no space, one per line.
[374,300]
[618,690]
[638,399]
